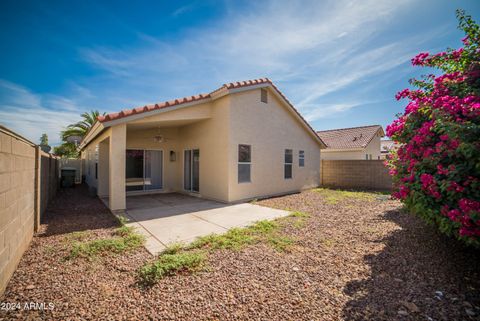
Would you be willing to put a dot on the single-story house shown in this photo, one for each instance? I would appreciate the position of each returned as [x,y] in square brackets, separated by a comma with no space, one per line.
[242,141]
[387,145]
[352,143]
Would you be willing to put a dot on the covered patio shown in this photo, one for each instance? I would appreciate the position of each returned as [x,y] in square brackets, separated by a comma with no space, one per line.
[157,154]
[173,217]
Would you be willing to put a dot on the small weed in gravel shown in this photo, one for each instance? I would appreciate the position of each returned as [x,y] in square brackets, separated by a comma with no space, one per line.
[262,227]
[125,239]
[110,245]
[124,231]
[173,248]
[298,224]
[169,264]
[300,219]
[328,242]
[237,238]
[77,236]
[299,214]
[335,196]
[48,249]
[280,243]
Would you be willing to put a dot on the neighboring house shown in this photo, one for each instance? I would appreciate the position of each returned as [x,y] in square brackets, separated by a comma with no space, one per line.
[242,141]
[387,145]
[352,143]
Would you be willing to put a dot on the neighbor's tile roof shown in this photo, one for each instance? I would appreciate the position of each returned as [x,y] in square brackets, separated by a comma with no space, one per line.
[349,138]
[184,100]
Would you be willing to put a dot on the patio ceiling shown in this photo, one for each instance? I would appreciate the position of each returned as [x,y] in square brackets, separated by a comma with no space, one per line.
[162,123]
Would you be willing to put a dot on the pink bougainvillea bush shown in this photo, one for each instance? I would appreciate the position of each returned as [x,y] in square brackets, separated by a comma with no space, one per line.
[436,169]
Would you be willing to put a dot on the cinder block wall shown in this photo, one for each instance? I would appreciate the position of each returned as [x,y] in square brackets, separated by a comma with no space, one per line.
[17,201]
[49,171]
[355,174]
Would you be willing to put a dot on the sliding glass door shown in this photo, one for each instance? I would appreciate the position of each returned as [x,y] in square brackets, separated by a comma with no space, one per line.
[191,170]
[153,169]
[144,169]
[134,170]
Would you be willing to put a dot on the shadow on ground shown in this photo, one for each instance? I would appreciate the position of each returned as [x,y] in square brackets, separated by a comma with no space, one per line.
[152,206]
[73,210]
[419,275]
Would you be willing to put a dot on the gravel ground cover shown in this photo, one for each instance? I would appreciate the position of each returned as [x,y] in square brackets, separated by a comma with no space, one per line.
[354,257]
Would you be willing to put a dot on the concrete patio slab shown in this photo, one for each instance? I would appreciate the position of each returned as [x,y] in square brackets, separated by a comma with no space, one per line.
[168,218]
[240,215]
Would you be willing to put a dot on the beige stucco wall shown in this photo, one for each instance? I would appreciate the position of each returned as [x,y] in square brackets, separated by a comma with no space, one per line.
[269,128]
[117,159]
[112,143]
[372,148]
[89,157]
[17,202]
[207,131]
[211,137]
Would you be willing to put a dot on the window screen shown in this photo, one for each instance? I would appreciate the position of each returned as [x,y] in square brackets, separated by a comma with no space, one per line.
[288,163]
[244,163]
[301,158]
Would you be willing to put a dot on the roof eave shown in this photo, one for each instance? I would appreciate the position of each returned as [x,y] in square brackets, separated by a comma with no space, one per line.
[127,119]
[96,129]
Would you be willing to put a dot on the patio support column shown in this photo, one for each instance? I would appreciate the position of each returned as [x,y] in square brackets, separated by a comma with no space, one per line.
[103,171]
[118,146]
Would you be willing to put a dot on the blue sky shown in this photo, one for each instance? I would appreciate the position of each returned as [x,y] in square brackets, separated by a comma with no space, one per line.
[339,62]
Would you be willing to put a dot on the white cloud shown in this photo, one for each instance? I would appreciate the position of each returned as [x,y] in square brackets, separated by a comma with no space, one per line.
[184,9]
[31,115]
[321,111]
[312,48]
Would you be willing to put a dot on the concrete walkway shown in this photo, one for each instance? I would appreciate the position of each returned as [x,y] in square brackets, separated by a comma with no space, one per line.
[173,217]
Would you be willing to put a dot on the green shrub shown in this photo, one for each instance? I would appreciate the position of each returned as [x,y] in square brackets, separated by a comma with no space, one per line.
[436,169]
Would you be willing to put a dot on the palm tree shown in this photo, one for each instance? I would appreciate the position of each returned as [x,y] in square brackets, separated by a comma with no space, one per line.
[81,128]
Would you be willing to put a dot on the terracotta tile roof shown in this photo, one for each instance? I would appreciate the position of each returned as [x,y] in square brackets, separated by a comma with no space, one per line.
[349,138]
[180,101]
[142,109]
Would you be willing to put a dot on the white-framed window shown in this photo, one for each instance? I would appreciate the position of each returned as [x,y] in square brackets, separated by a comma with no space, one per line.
[288,165]
[244,163]
[301,158]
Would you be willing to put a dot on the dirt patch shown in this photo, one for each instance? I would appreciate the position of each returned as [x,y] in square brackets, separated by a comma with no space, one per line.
[352,260]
